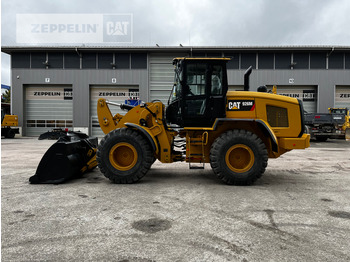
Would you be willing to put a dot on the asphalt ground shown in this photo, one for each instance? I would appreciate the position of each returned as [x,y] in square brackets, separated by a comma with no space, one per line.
[298,211]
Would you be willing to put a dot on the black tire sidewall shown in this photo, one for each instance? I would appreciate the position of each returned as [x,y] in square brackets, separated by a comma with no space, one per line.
[230,139]
[133,138]
[11,133]
[248,143]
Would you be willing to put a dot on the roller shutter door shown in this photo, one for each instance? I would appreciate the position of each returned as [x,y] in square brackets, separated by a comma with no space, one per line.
[117,94]
[48,107]
[342,96]
[235,88]
[307,94]
[161,77]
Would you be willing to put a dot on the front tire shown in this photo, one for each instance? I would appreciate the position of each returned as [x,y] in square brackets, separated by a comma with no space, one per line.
[238,157]
[124,156]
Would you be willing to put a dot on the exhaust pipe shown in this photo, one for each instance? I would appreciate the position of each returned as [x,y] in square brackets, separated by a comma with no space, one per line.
[246,78]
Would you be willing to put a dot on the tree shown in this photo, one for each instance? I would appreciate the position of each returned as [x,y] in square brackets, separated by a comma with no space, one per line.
[6,97]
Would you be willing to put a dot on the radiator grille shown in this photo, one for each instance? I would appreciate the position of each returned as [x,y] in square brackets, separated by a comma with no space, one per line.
[277,116]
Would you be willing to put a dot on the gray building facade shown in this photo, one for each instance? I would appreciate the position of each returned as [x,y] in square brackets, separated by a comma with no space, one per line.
[58,87]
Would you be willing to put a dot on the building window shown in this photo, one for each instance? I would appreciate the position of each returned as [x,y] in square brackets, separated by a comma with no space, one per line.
[71,60]
[20,60]
[347,60]
[283,60]
[265,61]
[55,60]
[336,61]
[317,60]
[105,61]
[122,60]
[247,60]
[138,61]
[234,62]
[38,60]
[301,60]
[89,60]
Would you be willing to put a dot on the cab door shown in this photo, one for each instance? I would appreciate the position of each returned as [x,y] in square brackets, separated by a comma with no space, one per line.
[204,93]
[199,93]
[217,92]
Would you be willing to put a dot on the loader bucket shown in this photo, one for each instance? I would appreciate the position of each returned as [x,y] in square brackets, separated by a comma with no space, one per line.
[68,158]
[56,133]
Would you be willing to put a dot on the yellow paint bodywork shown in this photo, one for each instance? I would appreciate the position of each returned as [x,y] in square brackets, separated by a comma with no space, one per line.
[278,140]
[153,119]
[285,137]
[9,120]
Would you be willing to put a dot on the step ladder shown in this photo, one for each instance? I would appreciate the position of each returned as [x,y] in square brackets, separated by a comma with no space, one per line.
[202,141]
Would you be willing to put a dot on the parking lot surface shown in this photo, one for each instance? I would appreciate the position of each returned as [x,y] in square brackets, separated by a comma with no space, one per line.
[298,211]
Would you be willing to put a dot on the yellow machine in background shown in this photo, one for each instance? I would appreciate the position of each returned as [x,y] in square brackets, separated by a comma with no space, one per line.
[9,125]
[235,131]
[344,129]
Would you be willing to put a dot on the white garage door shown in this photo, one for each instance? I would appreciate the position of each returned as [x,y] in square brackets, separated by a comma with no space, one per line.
[116,94]
[161,77]
[307,94]
[48,107]
[342,96]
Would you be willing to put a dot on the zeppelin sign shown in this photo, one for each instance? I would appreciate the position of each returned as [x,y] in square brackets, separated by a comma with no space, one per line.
[73,28]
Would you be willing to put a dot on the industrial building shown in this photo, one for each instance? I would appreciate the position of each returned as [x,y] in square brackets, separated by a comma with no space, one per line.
[58,87]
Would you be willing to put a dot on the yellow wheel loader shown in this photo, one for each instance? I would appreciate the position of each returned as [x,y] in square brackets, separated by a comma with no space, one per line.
[9,125]
[235,131]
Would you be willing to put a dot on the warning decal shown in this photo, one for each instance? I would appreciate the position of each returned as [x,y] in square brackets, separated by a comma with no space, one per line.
[240,105]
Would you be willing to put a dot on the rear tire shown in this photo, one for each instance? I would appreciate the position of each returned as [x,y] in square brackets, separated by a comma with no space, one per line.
[238,157]
[124,156]
[9,133]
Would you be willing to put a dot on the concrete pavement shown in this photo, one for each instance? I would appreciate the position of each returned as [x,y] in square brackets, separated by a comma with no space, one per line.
[298,211]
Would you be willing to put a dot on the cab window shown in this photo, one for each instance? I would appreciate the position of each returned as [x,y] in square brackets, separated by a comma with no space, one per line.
[195,79]
[216,80]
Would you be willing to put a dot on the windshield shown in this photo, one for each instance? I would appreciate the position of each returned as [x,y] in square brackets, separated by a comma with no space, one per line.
[176,91]
[338,111]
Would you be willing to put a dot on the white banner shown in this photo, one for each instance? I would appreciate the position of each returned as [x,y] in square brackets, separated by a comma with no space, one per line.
[73,28]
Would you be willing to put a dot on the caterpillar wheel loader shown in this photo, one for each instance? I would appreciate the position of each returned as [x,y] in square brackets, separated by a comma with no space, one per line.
[235,131]
[9,125]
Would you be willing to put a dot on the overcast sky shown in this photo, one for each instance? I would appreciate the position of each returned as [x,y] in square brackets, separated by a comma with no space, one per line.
[200,22]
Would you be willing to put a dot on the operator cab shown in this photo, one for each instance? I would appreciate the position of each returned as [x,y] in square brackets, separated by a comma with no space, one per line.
[198,96]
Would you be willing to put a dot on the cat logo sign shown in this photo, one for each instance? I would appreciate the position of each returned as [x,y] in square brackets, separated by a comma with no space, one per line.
[240,105]
[234,105]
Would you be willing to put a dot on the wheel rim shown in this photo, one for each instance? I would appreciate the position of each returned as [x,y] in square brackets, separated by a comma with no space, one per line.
[239,158]
[123,156]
